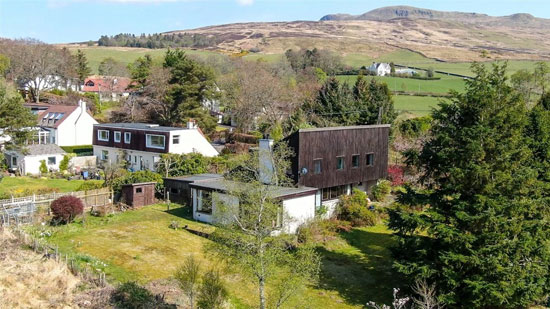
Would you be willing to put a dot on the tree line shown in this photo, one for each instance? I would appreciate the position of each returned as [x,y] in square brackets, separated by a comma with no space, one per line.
[158,40]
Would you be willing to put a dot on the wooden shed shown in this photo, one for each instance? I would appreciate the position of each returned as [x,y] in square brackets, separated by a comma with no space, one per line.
[139,194]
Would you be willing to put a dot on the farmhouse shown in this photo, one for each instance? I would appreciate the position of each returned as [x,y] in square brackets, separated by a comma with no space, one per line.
[208,191]
[141,144]
[28,160]
[63,125]
[338,159]
[109,88]
[380,69]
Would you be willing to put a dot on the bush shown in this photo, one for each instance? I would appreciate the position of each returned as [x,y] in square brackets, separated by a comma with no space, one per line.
[90,185]
[130,295]
[80,151]
[66,208]
[212,294]
[64,164]
[396,175]
[43,167]
[320,231]
[354,208]
[381,190]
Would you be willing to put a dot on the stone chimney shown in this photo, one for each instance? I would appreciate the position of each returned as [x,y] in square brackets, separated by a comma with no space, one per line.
[266,161]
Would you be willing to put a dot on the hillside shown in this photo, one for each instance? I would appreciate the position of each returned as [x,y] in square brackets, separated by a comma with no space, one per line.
[446,36]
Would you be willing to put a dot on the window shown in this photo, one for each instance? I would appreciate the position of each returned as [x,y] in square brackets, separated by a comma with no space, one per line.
[174,191]
[176,139]
[370,159]
[135,159]
[139,190]
[340,163]
[104,155]
[205,202]
[317,166]
[333,192]
[127,137]
[355,161]
[103,135]
[117,136]
[155,141]
[13,161]
[51,160]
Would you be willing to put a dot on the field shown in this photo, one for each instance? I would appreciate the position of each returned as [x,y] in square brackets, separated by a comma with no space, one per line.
[10,185]
[414,106]
[140,245]
[441,86]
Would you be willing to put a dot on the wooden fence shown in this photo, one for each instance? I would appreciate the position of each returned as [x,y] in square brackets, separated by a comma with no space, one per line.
[77,268]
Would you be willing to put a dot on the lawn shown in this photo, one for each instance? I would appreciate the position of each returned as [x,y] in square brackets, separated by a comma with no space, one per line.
[10,185]
[140,245]
[442,85]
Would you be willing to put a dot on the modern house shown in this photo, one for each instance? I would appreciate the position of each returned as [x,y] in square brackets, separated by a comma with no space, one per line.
[380,68]
[338,159]
[141,144]
[28,160]
[109,88]
[205,192]
[63,125]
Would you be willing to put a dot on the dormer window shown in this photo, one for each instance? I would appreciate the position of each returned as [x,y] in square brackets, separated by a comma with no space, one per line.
[127,137]
[118,136]
[103,135]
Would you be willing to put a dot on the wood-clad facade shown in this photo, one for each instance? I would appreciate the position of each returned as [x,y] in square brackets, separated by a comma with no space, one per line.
[329,157]
[137,139]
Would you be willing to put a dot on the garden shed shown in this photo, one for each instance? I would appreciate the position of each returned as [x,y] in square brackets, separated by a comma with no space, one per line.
[139,194]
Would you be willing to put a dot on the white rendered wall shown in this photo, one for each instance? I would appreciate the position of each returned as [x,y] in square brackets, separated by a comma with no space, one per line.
[76,129]
[31,164]
[191,140]
[148,158]
[298,211]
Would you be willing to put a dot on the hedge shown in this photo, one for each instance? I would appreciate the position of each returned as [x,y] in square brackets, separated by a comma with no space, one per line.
[80,151]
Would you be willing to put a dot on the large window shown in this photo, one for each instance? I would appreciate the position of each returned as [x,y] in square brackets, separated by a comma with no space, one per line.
[205,202]
[317,166]
[370,159]
[127,137]
[333,192]
[155,141]
[103,135]
[355,160]
[51,160]
[340,163]
[118,136]
[175,139]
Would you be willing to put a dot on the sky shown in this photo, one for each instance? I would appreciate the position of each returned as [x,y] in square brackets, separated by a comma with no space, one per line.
[64,21]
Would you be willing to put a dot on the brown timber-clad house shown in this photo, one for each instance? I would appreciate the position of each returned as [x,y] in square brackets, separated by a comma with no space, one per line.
[337,159]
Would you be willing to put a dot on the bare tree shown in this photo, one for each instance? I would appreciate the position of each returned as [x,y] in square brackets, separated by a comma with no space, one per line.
[427,296]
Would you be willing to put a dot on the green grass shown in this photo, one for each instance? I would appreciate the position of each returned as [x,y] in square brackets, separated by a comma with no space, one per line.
[9,185]
[442,85]
[139,245]
[414,106]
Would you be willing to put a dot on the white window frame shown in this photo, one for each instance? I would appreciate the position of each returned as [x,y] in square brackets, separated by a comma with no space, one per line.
[99,135]
[119,134]
[148,141]
[127,137]
[54,160]
[176,139]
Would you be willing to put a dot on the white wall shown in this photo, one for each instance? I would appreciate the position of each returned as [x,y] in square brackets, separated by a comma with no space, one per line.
[31,164]
[148,159]
[84,162]
[191,140]
[76,129]
[298,211]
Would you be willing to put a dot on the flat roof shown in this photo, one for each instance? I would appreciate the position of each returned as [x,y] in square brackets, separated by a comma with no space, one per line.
[345,128]
[140,126]
[198,177]
[277,191]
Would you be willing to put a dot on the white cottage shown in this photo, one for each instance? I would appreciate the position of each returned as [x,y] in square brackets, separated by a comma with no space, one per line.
[28,160]
[380,69]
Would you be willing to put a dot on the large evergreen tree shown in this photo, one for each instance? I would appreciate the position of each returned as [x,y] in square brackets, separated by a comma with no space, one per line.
[374,102]
[82,68]
[485,238]
[333,105]
[15,119]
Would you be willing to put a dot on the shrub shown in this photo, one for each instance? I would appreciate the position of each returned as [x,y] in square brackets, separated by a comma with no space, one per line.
[64,164]
[354,208]
[131,295]
[80,151]
[395,174]
[90,185]
[43,167]
[320,231]
[212,292]
[381,190]
[66,208]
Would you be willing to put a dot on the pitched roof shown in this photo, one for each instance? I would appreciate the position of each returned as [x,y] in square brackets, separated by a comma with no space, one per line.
[55,115]
[139,126]
[43,149]
[114,84]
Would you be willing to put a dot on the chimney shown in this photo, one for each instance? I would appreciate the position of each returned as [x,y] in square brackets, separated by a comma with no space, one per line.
[191,124]
[266,161]
[82,105]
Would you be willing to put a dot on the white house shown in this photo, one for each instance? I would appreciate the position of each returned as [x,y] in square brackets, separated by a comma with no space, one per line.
[28,160]
[380,69]
[50,82]
[65,125]
[142,144]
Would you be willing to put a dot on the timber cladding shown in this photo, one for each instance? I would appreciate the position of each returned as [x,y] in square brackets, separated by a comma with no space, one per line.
[137,141]
[327,145]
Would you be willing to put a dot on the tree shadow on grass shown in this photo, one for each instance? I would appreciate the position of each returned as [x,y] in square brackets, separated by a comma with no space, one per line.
[363,272]
[180,211]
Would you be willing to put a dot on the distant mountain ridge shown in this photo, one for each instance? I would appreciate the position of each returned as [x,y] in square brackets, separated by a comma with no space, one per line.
[413,13]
